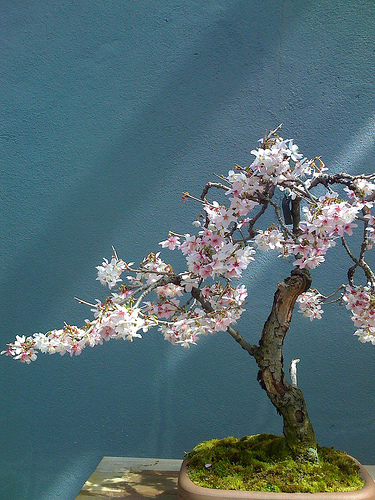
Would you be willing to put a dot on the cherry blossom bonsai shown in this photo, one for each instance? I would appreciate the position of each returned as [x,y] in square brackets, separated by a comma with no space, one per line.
[318,211]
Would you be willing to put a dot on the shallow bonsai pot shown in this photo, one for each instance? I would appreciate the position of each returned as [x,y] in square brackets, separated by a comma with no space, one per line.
[187,490]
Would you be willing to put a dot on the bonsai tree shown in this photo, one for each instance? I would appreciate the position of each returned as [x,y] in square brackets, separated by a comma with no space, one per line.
[318,211]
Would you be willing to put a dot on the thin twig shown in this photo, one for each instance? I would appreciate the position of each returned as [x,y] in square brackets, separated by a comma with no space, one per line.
[358,263]
[221,177]
[345,245]
[114,253]
[210,185]
[279,218]
[326,297]
[81,301]
[270,134]
[255,218]
[333,301]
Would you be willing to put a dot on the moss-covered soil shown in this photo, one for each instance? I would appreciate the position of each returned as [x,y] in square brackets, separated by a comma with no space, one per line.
[262,463]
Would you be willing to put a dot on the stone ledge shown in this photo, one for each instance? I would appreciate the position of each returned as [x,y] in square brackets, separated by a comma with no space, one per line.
[136,478]
[132,478]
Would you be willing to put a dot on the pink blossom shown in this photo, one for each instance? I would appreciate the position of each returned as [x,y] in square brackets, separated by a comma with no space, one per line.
[172,242]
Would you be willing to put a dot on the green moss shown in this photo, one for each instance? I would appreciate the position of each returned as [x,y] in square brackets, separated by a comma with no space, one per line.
[262,463]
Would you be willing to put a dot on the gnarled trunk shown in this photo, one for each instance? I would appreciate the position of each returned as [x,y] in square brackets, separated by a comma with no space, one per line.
[288,400]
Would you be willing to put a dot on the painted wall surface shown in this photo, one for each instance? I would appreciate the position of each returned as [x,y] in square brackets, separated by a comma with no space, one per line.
[109,111]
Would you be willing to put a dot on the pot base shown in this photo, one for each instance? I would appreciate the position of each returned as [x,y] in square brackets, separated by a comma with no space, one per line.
[187,490]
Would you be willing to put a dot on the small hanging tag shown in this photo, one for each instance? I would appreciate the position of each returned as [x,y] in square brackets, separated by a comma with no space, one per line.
[287,209]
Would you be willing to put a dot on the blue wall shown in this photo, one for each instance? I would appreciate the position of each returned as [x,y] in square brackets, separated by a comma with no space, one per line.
[109,111]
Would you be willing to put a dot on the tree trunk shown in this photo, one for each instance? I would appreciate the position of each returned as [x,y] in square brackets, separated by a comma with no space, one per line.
[288,400]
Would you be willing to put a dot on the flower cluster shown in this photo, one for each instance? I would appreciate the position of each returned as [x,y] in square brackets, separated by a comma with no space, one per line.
[109,272]
[151,270]
[112,322]
[325,221]
[22,349]
[363,188]
[279,162]
[329,219]
[69,339]
[270,239]
[210,254]
[223,308]
[166,304]
[310,304]
[360,301]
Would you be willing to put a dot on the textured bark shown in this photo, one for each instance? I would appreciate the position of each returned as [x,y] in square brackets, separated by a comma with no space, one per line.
[288,400]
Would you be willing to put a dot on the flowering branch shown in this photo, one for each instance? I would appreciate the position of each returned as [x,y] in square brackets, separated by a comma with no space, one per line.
[216,257]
